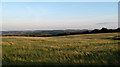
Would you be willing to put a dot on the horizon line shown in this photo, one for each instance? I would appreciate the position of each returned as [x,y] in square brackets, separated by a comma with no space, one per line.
[57,29]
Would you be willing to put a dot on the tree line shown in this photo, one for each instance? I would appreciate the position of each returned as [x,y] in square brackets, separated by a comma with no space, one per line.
[103,30]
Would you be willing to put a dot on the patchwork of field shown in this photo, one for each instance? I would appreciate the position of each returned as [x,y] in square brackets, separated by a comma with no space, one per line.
[84,49]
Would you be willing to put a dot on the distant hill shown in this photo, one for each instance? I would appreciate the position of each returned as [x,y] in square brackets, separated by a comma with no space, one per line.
[38,32]
[46,33]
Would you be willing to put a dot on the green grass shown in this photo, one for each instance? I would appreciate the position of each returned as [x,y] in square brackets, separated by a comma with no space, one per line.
[85,49]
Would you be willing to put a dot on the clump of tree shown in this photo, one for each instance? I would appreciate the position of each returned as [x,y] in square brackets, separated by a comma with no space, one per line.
[105,30]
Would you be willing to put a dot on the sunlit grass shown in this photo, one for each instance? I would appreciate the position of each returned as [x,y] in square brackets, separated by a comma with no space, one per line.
[85,49]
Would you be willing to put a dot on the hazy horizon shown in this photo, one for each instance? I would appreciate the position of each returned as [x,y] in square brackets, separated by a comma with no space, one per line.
[56,29]
[59,15]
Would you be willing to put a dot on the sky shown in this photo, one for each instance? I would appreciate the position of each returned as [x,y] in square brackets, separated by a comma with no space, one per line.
[59,15]
[60,0]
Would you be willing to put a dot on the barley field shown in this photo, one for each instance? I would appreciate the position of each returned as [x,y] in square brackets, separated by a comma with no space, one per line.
[84,49]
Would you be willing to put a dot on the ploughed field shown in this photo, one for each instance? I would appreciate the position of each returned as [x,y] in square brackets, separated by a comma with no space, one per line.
[84,49]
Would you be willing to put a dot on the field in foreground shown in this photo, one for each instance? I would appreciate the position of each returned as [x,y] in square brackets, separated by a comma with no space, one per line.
[85,49]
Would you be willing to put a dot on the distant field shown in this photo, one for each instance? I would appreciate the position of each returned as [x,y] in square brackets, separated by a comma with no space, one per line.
[84,49]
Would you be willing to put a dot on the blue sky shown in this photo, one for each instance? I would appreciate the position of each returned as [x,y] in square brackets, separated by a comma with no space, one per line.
[59,15]
[60,0]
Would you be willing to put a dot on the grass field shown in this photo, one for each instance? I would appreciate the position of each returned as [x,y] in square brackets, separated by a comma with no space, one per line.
[84,49]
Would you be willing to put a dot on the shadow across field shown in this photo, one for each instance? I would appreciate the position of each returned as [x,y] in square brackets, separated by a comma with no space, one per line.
[113,38]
